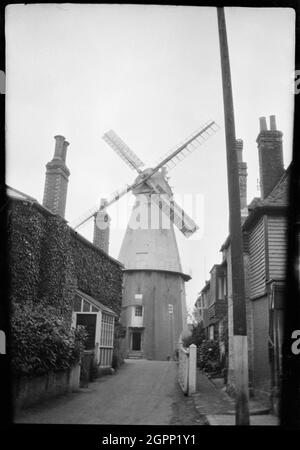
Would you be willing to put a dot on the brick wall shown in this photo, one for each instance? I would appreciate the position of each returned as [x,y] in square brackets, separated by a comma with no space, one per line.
[270,159]
[57,178]
[56,184]
[101,233]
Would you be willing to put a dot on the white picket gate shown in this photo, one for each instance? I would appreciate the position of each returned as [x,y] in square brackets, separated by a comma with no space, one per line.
[187,366]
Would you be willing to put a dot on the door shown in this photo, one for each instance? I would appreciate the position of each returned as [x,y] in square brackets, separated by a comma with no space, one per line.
[89,321]
[136,341]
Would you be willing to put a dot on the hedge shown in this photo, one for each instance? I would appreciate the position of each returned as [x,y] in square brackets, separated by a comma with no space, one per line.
[42,340]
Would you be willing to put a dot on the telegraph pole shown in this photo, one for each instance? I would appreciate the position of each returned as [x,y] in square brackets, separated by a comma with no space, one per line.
[240,344]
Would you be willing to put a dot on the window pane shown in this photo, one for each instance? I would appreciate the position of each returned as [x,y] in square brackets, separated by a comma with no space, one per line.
[139,311]
[86,306]
[107,331]
[77,303]
[94,309]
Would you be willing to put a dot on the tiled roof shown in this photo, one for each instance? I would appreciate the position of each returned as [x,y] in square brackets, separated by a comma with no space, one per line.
[279,195]
[277,200]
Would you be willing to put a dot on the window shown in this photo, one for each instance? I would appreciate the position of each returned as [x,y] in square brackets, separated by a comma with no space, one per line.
[107,331]
[80,304]
[89,322]
[138,311]
[86,306]
[221,288]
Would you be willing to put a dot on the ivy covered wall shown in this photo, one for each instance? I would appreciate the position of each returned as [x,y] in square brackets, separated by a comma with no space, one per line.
[48,260]
[96,275]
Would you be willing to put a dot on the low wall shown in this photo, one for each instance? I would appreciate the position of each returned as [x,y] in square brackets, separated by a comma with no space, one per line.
[29,391]
[87,373]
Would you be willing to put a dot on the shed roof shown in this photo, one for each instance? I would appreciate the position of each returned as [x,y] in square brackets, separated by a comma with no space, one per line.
[96,303]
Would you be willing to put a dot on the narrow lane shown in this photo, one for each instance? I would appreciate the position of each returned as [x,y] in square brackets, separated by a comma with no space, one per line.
[141,393]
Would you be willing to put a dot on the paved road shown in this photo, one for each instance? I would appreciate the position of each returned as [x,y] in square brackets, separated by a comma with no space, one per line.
[141,393]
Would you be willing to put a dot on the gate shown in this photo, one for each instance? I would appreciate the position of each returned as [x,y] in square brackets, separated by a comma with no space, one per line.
[187,368]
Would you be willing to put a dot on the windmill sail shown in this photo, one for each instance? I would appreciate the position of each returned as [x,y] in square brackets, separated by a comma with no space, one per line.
[179,217]
[185,224]
[122,149]
[178,153]
[95,209]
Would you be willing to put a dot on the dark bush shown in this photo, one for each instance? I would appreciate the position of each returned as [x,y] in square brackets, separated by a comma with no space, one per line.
[197,336]
[208,357]
[43,340]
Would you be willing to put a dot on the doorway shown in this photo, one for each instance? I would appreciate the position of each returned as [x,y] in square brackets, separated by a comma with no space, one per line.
[89,321]
[136,341]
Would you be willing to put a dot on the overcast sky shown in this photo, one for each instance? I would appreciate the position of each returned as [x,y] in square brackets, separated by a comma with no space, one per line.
[151,73]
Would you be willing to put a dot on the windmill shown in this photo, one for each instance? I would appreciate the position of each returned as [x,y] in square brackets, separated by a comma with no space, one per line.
[153,304]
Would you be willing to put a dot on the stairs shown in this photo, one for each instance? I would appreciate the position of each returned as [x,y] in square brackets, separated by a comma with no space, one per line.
[135,355]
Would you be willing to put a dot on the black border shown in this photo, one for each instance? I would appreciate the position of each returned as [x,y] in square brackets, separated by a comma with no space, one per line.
[39,435]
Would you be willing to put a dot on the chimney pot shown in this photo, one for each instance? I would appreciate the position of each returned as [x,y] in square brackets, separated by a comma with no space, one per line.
[273,123]
[64,150]
[59,144]
[263,124]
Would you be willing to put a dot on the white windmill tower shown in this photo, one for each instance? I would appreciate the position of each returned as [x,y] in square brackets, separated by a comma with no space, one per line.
[153,305]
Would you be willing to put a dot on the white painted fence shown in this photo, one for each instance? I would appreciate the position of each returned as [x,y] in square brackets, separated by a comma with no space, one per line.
[187,365]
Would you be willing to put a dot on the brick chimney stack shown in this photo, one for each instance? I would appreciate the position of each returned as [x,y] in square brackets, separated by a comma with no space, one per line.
[270,153]
[102,228]
[57,178]
[242,166]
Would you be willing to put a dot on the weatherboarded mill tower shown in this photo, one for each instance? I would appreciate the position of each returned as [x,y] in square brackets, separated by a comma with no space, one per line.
[154,305]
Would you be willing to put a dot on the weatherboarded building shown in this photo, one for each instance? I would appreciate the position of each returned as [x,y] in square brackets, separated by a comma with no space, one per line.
[264,253]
